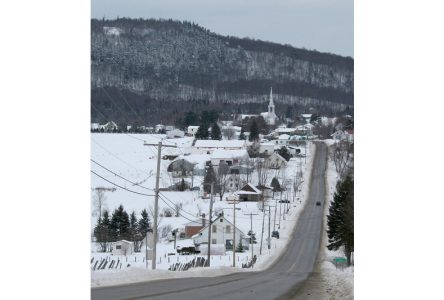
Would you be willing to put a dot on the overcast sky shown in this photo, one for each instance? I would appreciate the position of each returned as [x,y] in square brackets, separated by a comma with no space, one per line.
[324,25]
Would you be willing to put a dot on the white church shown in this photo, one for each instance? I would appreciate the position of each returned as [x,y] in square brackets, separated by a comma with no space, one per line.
[270,116]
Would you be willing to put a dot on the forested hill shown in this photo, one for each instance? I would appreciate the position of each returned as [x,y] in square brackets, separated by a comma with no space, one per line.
[153,69]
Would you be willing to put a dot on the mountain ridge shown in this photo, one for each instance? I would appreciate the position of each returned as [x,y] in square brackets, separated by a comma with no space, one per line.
[152,61]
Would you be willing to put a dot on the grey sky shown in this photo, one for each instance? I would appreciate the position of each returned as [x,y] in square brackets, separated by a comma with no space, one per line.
[324,25]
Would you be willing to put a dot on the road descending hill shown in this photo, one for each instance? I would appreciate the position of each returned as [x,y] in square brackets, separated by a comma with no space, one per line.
[280,281]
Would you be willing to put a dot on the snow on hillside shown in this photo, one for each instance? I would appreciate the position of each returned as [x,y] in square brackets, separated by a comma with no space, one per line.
[128,157]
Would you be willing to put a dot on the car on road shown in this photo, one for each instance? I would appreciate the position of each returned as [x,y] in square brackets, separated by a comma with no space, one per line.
[318,203]
[275,234]
[284,201]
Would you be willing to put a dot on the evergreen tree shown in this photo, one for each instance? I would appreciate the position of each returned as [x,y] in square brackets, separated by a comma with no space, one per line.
[134,233]
[239,247]
[215,132]
[275,185]
[340,219]
[202,132]
[144,224]
[283,151]
[132,227]
[102,231]
[254,131]
[242,134]
[210,177]
[119,224]
[191,118]
[252,235]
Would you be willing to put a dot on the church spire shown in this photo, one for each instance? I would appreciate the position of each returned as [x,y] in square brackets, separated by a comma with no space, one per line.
[271,104]
[271,96]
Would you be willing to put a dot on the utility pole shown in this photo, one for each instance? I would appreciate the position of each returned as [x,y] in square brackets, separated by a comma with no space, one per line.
[285,206]
[251,230]
[269,217]
[280,206]
[262,233]
[275,210]
[156,199]
[234,231]
[209,226]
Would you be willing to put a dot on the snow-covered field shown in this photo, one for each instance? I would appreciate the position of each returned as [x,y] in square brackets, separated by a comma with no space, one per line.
[126,156]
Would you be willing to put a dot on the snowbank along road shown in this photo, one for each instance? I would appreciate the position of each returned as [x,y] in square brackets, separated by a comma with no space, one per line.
[280,281]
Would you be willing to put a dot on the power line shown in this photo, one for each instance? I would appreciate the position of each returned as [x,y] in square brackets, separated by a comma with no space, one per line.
[120,176]
[120,186]
[98,111]
[166,198]
[112,154]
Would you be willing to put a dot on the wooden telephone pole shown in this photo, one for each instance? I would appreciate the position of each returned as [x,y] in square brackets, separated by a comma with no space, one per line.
[251,230]
[156,199]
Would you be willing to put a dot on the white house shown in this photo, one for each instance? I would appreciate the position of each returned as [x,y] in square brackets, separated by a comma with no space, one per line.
[175,133]
[221,233]
[110,126]
[343,135]
[307,117]
[228,157]
[282,140]
[266,148]
[159,127]
[191,130]
[123,247]
[233,182]
[275,161]
[285,130]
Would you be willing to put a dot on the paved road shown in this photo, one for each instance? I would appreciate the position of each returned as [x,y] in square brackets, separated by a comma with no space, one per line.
[280,281]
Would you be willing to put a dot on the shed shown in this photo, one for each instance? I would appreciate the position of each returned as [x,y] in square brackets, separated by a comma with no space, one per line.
[123,247]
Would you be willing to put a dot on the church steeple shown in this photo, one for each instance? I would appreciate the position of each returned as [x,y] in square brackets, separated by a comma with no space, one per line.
[271,104]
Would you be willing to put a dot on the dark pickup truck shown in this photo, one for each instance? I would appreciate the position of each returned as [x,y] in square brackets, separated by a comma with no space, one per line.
[187,250]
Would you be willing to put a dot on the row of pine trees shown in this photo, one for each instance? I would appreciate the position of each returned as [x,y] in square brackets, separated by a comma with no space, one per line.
[121,226]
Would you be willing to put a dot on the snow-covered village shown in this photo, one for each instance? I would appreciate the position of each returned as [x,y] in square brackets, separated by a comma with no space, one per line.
[228,199]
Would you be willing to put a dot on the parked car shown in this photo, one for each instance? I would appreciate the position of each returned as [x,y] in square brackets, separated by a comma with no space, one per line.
[275,234]
[187,250]
[284,201]
[318,203]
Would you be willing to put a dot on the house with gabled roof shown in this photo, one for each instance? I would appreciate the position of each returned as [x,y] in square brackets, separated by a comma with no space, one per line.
[249,193]
[221,233]
[276,161]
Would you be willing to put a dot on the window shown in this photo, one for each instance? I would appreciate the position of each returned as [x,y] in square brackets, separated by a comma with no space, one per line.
[228,229]
[221,219]
[213,241]
[118,247]
[228,244]
[214,228]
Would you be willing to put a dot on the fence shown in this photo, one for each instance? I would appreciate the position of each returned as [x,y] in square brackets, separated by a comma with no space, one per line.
[195,263]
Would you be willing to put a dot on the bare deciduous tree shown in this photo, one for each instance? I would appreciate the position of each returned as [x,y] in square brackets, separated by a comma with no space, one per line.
[229,133]
[99,201]
[263,171]
[342,156]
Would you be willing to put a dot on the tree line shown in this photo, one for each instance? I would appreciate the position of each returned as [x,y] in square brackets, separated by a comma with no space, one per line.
[121,226]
